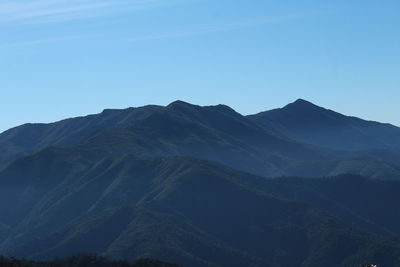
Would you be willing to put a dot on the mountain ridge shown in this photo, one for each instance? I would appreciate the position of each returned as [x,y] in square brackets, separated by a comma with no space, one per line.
[307,122]
[212,132]
[215,133]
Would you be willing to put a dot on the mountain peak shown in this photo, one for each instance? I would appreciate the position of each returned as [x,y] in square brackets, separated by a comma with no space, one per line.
[180,103]
[303,102]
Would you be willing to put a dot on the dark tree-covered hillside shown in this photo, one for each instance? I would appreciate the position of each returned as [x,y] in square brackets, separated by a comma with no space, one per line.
[83,261]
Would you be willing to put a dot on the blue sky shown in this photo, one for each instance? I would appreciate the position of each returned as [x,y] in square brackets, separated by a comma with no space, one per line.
[64,58]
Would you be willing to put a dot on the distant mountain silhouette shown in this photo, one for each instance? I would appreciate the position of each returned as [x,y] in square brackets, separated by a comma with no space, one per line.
[312,124]
[194,212]
[32,137]
[216,133]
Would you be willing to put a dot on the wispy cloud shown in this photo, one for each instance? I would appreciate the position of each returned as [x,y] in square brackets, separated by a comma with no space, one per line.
[214,28]
[195,30]
[20,13]
[45,11]
[17,44]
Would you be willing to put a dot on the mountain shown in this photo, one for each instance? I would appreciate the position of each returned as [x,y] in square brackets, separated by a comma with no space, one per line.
[32,137]
[191,184]
[363,165]
[365,203]
[192,212]
[215,133]
[312,124]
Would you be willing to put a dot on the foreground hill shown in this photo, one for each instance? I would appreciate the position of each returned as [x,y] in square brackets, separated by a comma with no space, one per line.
[83,261]
[190,211]
[362,202]
[312,124]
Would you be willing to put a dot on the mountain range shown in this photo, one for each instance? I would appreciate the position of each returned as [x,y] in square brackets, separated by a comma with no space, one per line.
[204,186]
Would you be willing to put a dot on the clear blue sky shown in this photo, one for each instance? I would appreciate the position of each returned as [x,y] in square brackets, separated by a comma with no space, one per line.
[63,58]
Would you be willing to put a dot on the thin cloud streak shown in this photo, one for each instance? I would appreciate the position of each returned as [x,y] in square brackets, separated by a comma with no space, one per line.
[201,30]
[206,29]
[25,12]
[46,11]
[17,44]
